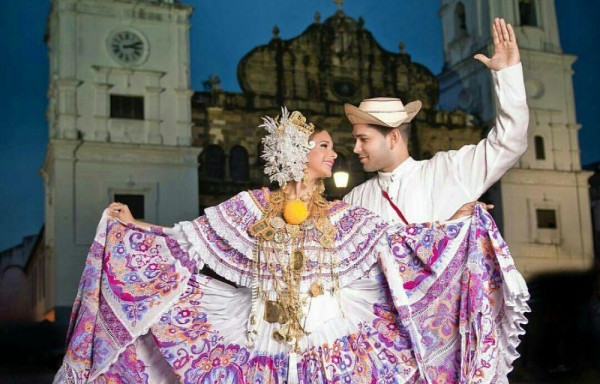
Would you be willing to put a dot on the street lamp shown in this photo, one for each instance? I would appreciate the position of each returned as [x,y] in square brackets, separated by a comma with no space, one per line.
[340,178]
[340,172]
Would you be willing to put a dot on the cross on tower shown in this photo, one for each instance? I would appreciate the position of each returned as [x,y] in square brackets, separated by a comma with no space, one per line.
[339,4]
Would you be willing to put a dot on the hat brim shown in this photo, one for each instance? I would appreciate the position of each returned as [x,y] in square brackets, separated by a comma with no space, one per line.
[358,116]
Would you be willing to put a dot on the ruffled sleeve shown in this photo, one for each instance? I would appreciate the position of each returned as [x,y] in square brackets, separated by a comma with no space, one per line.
[220,238]
[361,237]
[132,276]
[458,293]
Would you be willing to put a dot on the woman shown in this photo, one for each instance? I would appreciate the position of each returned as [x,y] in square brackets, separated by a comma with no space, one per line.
[324,292]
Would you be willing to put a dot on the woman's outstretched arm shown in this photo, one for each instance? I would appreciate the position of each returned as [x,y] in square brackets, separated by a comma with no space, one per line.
[122,213]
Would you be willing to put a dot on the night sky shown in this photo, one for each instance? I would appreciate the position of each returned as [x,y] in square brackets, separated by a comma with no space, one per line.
[222,32]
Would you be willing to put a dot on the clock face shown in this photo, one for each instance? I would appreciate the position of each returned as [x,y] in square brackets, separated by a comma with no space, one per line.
[127,47]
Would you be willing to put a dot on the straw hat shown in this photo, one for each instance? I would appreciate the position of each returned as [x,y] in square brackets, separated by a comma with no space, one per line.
[385,111]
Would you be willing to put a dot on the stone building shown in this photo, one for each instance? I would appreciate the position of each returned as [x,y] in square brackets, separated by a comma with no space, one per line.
[332,62]
[119,121]
[16,289]
[542,203]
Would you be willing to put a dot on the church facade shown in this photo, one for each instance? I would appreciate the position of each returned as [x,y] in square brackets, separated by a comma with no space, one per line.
[332,62]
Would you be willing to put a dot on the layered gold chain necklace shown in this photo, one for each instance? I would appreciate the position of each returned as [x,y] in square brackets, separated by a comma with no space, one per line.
[281,241]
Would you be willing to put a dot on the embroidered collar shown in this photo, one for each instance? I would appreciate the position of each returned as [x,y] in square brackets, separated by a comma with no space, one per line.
[226,246]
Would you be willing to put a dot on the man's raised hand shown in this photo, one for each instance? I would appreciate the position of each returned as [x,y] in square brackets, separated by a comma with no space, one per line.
[506,50]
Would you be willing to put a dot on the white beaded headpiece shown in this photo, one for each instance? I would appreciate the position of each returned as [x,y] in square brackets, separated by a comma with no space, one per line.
[286,146]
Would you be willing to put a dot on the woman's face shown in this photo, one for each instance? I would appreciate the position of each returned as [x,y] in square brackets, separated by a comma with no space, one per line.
[321,157]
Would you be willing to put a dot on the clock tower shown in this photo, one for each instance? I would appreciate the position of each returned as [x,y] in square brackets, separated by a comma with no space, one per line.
[119,119]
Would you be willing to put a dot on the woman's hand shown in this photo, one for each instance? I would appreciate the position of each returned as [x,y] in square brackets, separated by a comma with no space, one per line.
[121,212]
[467,209]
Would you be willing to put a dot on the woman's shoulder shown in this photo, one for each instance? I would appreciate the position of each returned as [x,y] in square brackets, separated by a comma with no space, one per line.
[336,206]
[260,197]
[257,202]
[254,199]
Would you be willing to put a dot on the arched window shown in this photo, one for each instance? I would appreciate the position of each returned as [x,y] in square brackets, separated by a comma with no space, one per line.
[238,164]
[540,151]
[213,162]
[460,19]
[527,14]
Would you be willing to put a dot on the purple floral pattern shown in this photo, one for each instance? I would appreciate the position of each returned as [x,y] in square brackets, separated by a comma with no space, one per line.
[454,299]
[130,272]
[442,314]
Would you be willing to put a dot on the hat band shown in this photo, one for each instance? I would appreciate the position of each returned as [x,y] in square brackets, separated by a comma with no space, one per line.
[391,118]
[376,111]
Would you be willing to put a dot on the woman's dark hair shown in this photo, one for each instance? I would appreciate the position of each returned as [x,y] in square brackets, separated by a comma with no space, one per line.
[318,129]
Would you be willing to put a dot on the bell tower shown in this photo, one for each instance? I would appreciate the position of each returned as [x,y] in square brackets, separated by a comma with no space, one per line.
[543,200]
[119,117]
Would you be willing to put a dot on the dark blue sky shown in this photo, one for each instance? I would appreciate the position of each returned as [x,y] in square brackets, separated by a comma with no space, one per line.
[222,32]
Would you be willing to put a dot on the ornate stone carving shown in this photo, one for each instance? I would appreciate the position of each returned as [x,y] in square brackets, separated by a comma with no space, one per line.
[335,61]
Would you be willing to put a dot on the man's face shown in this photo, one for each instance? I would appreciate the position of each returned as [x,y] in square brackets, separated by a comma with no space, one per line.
[374,150]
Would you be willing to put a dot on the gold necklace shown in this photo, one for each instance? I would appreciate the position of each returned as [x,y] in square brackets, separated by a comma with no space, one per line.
[296,209]
[278,238]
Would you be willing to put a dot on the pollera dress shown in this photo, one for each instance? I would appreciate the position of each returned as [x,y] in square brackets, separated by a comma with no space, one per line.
[425,303]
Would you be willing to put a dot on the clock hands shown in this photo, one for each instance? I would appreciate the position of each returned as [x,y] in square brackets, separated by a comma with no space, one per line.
[135,45]
[127,46]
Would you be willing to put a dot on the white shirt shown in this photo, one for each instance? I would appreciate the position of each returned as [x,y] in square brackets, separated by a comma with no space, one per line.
[434,189]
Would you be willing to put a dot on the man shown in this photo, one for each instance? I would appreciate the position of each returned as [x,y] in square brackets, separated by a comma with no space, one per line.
[412,191]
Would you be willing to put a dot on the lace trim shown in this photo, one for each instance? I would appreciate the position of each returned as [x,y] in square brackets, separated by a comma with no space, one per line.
[232,224]
[207,252]
[516,295]
[221,241]
[360,246]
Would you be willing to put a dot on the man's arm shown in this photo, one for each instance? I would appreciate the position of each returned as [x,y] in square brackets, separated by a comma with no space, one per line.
[479,166]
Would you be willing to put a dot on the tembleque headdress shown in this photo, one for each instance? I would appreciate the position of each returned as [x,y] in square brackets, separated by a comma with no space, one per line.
[286,146]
